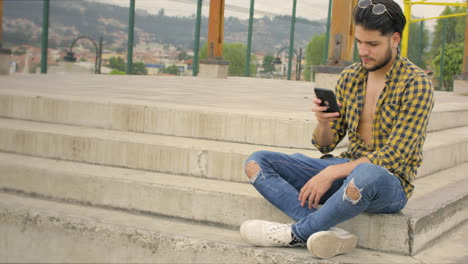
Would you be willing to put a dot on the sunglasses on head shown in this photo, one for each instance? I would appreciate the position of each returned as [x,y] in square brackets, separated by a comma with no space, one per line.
[377,9]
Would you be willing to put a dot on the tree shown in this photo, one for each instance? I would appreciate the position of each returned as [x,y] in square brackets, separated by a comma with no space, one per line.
[453,62]
[117,63]
[173,70]
[161,12]
[455,28]
[183,56]
[454,37]
[234,53]
[268,63]
[116,72]
[314,54]
[20,51]
[417,48]
[139,68]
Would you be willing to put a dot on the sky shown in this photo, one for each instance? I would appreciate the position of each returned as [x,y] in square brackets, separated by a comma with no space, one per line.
[310,9]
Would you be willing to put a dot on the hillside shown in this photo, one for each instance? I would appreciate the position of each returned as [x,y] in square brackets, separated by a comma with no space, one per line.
[72,18]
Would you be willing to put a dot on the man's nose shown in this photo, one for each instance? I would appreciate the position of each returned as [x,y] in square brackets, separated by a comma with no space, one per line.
[363,50]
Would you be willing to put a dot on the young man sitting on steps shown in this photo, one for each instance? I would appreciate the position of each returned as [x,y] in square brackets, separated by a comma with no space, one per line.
[385,103]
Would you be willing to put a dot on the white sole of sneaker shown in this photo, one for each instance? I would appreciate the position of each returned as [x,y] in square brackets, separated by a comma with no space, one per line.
[327,244]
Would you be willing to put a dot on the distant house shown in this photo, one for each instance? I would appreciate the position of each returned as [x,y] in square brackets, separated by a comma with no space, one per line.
[154,69]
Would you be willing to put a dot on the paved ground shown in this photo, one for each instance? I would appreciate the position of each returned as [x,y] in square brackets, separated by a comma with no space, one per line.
[278,97]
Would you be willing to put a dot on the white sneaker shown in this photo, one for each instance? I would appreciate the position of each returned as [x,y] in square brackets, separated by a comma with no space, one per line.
[266,234]
[335,241]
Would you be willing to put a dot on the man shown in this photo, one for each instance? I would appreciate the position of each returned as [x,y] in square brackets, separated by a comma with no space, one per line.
[385,103]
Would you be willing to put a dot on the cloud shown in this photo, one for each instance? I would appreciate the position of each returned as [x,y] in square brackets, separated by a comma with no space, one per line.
[310,9]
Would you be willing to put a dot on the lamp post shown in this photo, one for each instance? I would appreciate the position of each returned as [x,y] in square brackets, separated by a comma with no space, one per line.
[277,61]
[70,57]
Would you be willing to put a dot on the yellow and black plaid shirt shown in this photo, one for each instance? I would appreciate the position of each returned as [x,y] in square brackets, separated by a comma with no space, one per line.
[400,120]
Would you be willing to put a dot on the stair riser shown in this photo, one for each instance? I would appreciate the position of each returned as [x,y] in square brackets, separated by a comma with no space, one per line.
[447,119]
[171,159]
[431,227]
[443,157]
[185,160]
[225,126]
[188,203]
[177,160]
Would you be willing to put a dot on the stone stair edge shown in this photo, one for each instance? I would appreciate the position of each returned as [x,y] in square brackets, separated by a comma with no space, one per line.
[416,209]
[297,123]
[305,115]
[149,231]
[70,130]
[233,153]
[109,102]
[136,137]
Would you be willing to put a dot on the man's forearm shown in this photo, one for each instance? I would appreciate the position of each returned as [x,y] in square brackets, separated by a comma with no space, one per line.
[323,134]
[344,169]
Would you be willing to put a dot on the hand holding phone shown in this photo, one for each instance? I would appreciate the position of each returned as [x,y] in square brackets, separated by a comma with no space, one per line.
[328,99]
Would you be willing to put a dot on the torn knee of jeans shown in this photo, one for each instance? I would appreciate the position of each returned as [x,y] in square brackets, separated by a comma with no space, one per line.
[352,193]
[252,170]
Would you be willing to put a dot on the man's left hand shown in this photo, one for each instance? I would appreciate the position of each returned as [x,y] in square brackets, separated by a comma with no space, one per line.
[316,187]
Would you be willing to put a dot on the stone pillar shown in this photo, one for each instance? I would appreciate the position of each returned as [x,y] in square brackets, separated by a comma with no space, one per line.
[326,76]
[460,84]
[212,68]
[5,55]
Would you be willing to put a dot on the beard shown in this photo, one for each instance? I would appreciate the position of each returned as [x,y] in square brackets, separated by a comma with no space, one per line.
[383,63]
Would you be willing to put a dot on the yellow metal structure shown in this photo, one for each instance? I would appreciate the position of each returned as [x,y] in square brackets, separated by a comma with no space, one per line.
[407,11]
[216,29]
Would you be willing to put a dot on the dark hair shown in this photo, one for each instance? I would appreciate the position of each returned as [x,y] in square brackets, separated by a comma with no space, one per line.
[385,23]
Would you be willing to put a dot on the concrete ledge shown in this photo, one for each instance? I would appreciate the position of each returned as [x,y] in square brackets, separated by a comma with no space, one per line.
[254,128]
[460,84]
[326,76]
[443,150]
[292,130]
[42,231]
[213,68]
[195,157]
[33,230]
[5,61]
[219,202]
[438,205]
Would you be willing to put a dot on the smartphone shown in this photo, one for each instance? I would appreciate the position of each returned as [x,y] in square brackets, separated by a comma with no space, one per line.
[328,99]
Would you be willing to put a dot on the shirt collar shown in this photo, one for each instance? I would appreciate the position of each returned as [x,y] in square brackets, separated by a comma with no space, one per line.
[391,74]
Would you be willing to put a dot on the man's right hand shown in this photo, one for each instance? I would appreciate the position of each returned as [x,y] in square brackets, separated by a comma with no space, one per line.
[321,116]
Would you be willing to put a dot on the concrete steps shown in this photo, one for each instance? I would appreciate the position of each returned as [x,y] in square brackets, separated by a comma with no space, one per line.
[178,155]
[229,203]
[282,129]
[153,172]
[46,231]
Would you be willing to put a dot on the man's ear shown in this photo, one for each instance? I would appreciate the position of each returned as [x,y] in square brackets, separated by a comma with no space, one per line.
[396,39]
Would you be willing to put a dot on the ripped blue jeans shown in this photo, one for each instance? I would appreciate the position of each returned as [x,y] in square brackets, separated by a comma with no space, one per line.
[281,177]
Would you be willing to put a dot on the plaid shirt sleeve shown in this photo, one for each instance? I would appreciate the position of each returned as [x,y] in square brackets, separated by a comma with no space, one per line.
[409,132]
[339,127]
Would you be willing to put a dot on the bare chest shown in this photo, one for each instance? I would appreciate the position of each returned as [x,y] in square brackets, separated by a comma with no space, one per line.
[373,91]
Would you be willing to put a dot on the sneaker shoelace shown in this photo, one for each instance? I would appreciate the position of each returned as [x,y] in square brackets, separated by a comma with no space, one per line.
[275,231]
